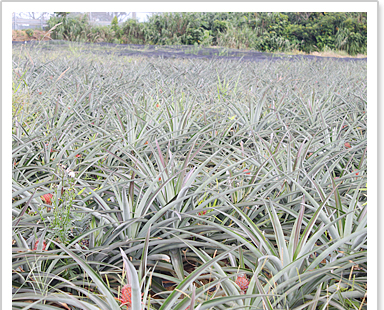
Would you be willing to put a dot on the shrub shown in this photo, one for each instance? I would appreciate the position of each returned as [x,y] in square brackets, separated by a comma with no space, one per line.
[102,34]
[115,27]
[29,32]
[132,32]
[72,28]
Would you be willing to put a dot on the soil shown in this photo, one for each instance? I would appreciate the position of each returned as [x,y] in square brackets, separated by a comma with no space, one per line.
[335,55]
[21,36]
[177,51]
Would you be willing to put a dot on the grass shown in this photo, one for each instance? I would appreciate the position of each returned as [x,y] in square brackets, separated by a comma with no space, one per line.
[179,176]
[327,53]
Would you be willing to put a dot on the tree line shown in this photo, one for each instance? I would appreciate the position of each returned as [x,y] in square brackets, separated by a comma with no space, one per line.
[266,31]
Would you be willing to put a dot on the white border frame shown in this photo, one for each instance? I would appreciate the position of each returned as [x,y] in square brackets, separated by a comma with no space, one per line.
[369,7]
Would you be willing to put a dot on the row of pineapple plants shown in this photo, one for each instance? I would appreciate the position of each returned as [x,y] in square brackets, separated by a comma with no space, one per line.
[150,183]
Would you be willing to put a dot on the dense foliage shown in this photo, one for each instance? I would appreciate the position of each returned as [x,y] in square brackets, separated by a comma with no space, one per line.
[177,184]
[308,31]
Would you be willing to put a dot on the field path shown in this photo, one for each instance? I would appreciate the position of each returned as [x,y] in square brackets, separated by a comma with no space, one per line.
[181,51]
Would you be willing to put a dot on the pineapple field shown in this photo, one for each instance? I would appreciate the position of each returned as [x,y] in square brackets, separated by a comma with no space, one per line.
[176,183]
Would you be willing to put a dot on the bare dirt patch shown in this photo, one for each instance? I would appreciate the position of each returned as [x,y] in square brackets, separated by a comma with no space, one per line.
[21,35]
[337,55]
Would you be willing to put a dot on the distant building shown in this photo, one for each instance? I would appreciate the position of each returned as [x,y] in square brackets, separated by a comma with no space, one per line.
[36,20]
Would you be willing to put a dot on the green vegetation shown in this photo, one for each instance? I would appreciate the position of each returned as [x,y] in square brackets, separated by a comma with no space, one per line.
[187,184]
[29,32]
[306,31]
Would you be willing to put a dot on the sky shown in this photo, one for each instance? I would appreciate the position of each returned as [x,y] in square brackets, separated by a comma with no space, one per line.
[141,16]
